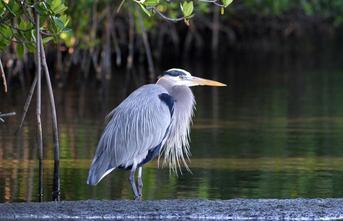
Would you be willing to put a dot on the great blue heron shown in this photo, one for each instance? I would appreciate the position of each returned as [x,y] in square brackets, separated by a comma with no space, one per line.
[153,120]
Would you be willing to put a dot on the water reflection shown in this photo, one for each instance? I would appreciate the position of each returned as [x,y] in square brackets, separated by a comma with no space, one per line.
[275,132]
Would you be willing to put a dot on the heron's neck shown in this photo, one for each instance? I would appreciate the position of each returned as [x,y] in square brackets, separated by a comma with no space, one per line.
[182,95]
[176,149]
[183,98]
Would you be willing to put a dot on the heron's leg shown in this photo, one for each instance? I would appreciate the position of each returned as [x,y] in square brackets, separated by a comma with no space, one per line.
[140,182]
[133,183]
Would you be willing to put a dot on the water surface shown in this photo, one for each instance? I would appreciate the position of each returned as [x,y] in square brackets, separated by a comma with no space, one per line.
[276,131]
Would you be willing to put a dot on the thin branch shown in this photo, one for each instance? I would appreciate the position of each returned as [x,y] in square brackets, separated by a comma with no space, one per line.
[166,17]
[39,110]
[212,1]
[27,103]
[147,46]
[56,179]
[130,57]
[120,6]
[5,115]
[116,46]
[3,76]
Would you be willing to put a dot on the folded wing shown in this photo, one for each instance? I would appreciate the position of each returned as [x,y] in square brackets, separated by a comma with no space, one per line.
[138,125]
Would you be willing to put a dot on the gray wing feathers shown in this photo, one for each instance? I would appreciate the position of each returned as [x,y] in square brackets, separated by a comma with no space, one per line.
[137,125]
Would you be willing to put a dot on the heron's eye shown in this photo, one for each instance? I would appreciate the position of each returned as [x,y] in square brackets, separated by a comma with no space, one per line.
[182,77]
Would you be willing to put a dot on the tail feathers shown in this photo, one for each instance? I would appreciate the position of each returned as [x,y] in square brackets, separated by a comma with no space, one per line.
[94,178]
[101,166]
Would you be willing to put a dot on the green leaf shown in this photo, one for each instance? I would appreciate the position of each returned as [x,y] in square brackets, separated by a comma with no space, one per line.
[25,25]
[47,39]
[5,36]
[54,3]
[226,2]
[6,32]
[151,3]
[145,10]
[20,50]
[187,8]
[67,30]
[57,6]
[2,45]
[12,7]
[58,23]
[15,7]
[2,7]
[65,19]
[41,9]
[60,9]
[31,47]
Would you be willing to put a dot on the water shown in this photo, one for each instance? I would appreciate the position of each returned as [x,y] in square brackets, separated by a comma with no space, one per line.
[275,132]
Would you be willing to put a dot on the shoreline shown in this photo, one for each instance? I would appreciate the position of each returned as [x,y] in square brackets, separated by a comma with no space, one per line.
[235,209]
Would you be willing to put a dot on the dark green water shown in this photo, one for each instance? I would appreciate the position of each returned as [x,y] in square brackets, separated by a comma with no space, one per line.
[275,132]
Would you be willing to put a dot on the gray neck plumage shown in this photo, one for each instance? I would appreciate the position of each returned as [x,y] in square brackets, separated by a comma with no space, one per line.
[182,95]
[176,149]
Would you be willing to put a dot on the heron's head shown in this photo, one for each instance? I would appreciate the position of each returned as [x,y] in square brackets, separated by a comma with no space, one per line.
[180,77]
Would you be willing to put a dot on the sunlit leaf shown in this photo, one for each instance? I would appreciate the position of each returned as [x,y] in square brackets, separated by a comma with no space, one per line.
[187,8]
[57,6]
[151,3]
[145,10]
[65,19]
[58,23]
[226,2]
[67,30]
[47,39]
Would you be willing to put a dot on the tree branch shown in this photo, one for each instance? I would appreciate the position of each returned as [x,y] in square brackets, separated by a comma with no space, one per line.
[147,46]
[212,1]
[3,76]
[6,115]
[39,108]
[27,103]
[166,17]
[56,180]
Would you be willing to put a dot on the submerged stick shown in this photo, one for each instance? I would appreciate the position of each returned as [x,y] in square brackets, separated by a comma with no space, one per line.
[38,110]
[3,76]
[56,180]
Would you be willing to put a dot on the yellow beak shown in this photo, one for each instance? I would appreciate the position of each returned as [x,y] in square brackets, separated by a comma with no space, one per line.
[203,81]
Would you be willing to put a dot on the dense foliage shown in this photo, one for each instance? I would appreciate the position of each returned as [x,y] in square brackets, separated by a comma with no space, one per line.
[89,33]
[17,23]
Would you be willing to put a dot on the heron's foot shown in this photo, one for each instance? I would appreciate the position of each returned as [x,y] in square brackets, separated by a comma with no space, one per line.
[140,183]
[140,186]
[138,198]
